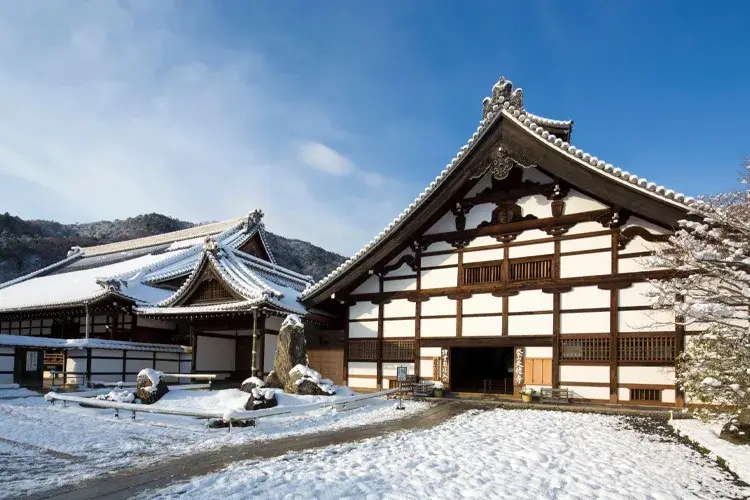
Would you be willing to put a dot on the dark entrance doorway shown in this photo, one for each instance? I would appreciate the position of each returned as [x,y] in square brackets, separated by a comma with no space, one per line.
[482,369]
[29,367]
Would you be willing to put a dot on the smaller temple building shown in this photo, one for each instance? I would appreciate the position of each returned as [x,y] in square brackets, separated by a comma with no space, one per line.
[207,299]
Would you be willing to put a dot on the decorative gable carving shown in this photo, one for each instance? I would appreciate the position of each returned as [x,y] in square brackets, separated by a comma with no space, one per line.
[209,288]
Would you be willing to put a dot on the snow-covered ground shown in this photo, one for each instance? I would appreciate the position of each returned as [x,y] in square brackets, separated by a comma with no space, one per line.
[736,456]
[503,454]
[16,393]
[44,446]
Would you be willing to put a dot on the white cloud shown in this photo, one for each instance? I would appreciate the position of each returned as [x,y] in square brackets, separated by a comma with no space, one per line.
[110,111]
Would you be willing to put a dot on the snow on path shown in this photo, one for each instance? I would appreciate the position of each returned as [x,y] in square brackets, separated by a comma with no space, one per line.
[503,454]
[736,456]
[44,446]
[17,393]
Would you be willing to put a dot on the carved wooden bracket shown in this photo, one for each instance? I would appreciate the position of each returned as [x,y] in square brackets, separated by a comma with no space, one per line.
[630,233]
[615,286]
[418,298]
[558,208]
[506,237]
[459,295]
[418,246]
[380,301]
[505,293]
[562,289]
[460,243]
[613,218]
[409,260]
[558,229]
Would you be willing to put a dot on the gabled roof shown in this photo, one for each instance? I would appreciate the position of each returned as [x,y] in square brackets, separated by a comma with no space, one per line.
[132,269]
[504,103]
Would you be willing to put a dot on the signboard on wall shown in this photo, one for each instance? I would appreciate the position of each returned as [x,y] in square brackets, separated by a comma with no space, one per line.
[32,358]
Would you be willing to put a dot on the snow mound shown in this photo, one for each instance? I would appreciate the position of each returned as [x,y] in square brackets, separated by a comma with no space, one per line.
[255,381]
[119,396]
[153,375]
[293,321]
[308,374]
[261,393]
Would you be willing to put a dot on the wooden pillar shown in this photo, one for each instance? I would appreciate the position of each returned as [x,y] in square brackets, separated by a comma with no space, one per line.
[346,344]
[379,343]
[418,313]
[679,347]
[505,277]
[194,344]
[556,317]
[614,296]
[261,345]
[460,302]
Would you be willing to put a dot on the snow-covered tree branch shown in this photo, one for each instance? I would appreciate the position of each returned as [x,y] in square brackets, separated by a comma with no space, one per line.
[710,295]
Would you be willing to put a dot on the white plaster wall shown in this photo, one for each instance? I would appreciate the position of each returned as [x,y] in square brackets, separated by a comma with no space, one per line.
[440,278]
[430,352]
[439,246]
[538,352]
[398,308]
[482,241]
[623,394]
[535,324]
[439,327]
[362,368]
[106,352]
[363,310]
[151,323]
[645,321]
[652,228]
[482,326]
[594,264]
[398,328]
[405,251]
[530,300]
[482,303]
[662,375]
[635,295]
[402,270]
[531,250]
[389,369]
[136,365]
[7,364]
[363,329]
[166,355]
[592,243]
[584,297]
[668,395]
[438,306]
[479,214]
[402,284]
[577,202]
[537,205]
[636,264]
[168,366]
[363,383]
[531,234]
[106,365]
[274,323]
[483,255]
[637,245]
[447,223]
[270,342]
[215,354]
[583,392]
[595,322]
[425,369]
[370,285]
[584,227]
[584,373]
[448,259]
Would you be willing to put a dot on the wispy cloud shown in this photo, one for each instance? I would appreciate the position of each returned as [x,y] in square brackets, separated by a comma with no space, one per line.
[113,111]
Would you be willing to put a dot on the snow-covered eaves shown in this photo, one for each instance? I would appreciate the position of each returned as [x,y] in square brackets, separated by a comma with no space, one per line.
[66,344]
[506,102]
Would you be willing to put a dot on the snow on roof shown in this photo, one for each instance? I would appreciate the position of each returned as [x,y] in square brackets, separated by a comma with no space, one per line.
[29,341]
[508,102]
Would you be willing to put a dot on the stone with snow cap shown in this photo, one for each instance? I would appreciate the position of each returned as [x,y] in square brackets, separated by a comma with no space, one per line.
[291,350]
[150,386]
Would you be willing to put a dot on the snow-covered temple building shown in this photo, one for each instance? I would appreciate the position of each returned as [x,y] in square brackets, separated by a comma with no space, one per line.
[522,265]
[206,299]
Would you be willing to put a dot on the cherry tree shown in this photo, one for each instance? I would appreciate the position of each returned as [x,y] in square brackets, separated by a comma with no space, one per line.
[709,293]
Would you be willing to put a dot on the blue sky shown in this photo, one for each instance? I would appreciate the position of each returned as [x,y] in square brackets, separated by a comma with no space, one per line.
[333,116]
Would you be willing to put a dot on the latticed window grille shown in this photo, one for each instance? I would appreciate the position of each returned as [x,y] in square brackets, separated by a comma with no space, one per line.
[645,395]
[530,269]
[210,290]
[363,350]
[398,350]
[489,273]
[518,270]
[595,349]
[658,348]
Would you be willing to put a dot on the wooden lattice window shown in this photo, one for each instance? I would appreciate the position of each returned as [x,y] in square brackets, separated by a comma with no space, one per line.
[398,350]
[363,350]
[530,269]
[645,395]
[656,348]
[210,290]
[483,273]
[593,349]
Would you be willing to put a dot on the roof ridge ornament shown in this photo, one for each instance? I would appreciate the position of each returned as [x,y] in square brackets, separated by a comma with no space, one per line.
[502,92]
[501,161]
[210,245]
[254,218]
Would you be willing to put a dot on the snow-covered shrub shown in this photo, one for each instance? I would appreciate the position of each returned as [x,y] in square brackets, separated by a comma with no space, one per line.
[120,396]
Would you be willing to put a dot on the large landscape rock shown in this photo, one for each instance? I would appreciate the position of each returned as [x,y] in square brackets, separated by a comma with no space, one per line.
[307,382]
[251,383]
[261,398]
[291,351]
[150,386]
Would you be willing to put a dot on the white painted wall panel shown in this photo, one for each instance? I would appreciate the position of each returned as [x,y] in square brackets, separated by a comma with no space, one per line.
[482,326]
[215,354]
[584,297]
[645,375]
[482,241]
[577,202]
[6,378]
[106,365]
[362,368]
[425,369]
[363,329]
[594,264]
[398,308]
[405,251]
[623,394]
[168,366]
[538,352]
[584,373]
[479,214]
[535,205]
[274,323]
[364,383]
[449,259]
[440,327]
[370,285]
[440,278]
[592,243]
[432,352]
[270,342]
[635,295]
[583,392]
[536,324]
[531,234]
[389,369]
[595,322]
[482,303]
[136,365]
[402,270]
[636,264]
[668,395]
[530,300]
[446,224]
[398,328]
[585,227]
[402,284]
[438,306]
[532,250]
[483,255]
[637,245]
[363,310]
[645,321]
[439,246]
